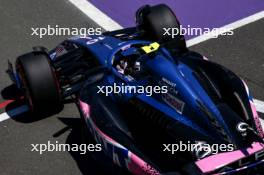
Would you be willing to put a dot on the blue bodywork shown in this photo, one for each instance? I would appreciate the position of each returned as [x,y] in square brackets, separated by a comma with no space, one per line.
[186,91]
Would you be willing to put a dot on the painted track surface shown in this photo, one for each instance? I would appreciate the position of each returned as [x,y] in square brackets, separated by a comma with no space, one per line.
[243,53]
[204,14]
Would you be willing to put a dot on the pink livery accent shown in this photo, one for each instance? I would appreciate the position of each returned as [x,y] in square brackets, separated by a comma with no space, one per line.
[85,109]
[138,166]
[254,112]
[134,164]
[214,162]
[256,119]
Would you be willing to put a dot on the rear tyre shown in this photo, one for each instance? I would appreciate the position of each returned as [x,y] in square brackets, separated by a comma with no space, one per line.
[39,82]
[153,20]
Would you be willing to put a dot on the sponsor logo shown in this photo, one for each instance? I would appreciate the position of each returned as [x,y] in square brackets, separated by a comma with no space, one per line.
[242,128]
[256,157]
[171,86]
[173,102]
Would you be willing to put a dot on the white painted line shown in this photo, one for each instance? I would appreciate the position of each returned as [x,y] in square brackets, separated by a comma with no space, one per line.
[14,112]
[4,116]
[96,15]
[227,27]
[259,105]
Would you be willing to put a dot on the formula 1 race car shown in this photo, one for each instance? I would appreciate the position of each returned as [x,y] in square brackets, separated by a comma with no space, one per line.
[142,93]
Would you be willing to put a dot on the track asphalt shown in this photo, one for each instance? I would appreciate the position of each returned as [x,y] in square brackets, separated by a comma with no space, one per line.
[242,53]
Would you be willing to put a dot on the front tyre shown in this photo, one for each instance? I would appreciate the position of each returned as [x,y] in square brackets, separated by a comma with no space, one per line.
[39,82]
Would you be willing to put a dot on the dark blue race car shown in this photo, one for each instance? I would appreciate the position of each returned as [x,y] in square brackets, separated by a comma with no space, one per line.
[142,94]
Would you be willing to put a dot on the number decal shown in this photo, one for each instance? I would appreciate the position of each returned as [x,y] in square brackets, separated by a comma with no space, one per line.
[95,40]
